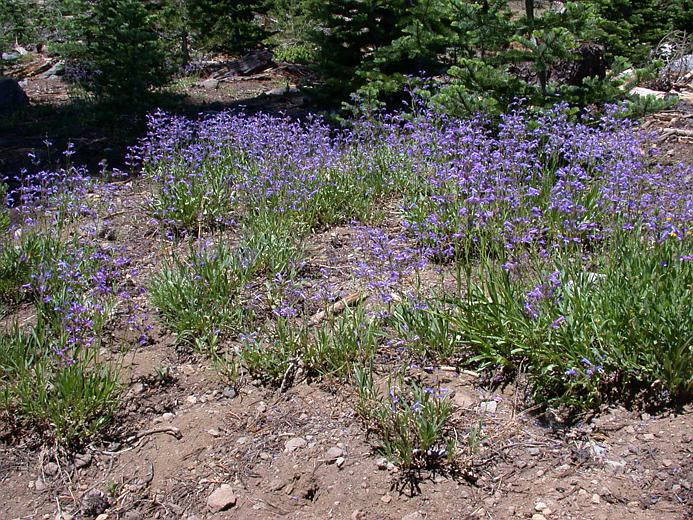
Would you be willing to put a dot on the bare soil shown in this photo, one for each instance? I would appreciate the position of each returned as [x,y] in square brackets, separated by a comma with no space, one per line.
[178,440]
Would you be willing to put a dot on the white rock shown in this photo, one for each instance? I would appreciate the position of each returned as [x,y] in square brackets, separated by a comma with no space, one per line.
[488,407]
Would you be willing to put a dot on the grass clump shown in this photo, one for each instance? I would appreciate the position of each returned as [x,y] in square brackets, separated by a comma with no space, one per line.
[68,399]
[413,423]
[586,333]
[200,298]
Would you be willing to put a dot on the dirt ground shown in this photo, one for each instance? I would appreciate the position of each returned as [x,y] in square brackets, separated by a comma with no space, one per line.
[188,446]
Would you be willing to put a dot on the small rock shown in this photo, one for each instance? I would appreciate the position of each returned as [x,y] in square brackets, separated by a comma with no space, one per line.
[534,451]
[276,484]
[265,456]
[40,485]
[229,392]
[191,399]
[381,463]
[295,444]
[64,516]
[667,463]
[94,503]
[262,407]
[214,432]
[102,516]
[51,469]
[242,440]
[633,505]
[488,407]
[538,516]
[358,515]
[137,388]
[168,416]
[414,516]
[386,499]
[211,84]
[540,506]
[615,467]
[685,438]
[521,464]
[333,454]
[83,460]
[222,498]
[596,499]
[340,461]
[648,437]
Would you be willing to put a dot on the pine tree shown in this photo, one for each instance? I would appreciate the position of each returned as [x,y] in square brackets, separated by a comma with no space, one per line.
[122,51]
[349,36]
[224,25]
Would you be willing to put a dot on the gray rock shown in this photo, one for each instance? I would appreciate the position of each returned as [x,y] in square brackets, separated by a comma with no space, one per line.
[414,516]
[55,70]
[682,65]
[12,97]
[283,91]
[94,503]
[211,84]
[615,467]
[222,498]
[333,454]
[534,452]
[381,463]
[340,461]
[10,56]
[295,444]
[51,469]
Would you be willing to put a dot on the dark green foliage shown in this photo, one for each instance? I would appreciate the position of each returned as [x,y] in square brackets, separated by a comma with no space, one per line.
[122,53]
[224,26]
[634,27]
[350,34]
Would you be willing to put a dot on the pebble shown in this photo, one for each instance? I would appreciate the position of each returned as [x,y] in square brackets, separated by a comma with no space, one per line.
[39,485]
[334,453]
[83,460]
[633,505]
[488,407]
[222,498]
[596,499]
[667,463]
[538,516]
[414,516]
[64,516]
[648,436]
[381,463]
[276,484]
[51,469]
[540,506]
[340,461]
[534,451]
[386,499]
[358,515]
[615,467]
[168,416]
[295,444]
[214,432]
[191,399]
[102,516]
[229,392]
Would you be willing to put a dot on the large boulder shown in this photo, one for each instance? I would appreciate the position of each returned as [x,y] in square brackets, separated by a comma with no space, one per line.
[12,97]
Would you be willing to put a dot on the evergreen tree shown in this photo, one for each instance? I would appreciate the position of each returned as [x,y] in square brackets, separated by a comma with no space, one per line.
[349,36]
[122,52]
[224,25]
